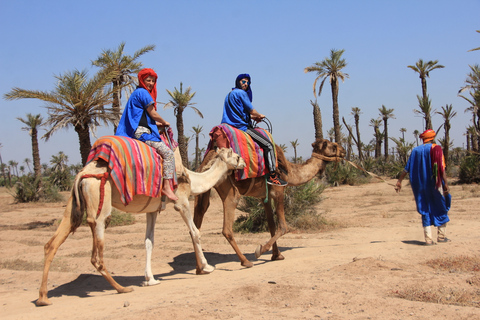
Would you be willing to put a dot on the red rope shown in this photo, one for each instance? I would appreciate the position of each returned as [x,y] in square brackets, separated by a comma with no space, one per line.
[103,177]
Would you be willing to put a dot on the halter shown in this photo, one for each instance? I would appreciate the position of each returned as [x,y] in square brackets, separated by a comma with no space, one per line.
[335,158]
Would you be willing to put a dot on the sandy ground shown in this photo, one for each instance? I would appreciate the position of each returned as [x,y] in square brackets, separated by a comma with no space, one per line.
[351,272]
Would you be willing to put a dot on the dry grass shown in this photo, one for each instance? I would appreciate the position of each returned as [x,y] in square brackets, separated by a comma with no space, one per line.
[448,295]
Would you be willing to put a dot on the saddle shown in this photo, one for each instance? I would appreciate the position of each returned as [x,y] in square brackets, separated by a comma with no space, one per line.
[135,168]
[226,136]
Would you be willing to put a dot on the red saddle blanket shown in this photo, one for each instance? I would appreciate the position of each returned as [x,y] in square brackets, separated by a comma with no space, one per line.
[243,145]
[135,168]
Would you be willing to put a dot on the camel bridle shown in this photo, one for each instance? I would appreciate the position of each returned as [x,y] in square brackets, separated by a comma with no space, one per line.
[336,158]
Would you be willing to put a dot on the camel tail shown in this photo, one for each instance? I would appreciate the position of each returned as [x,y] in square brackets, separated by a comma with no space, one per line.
[78,204]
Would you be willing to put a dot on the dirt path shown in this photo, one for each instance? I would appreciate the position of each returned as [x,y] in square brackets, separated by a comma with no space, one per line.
[349,273]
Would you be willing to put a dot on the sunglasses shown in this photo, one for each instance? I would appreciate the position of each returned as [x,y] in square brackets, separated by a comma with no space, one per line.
[245,81]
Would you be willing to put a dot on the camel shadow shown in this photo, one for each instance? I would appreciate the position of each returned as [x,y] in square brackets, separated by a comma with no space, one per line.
[86,284]
[414,242]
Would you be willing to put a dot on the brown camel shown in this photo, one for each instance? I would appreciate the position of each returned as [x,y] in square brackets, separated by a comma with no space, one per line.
[230,190]
[86,196]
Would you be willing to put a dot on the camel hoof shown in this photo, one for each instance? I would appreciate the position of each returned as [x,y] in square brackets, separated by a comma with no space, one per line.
[278,257]
[258,251]
[151,282]
[42,302]
[125,290]
[247,264]
[206,270]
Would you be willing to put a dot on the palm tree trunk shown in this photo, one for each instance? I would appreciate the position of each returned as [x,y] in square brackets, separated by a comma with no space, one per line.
[37,167]
[317,120]
[336,114]
[84,140]
[359,143]
[385,123]
[182,144]
[424,87]
[116,104]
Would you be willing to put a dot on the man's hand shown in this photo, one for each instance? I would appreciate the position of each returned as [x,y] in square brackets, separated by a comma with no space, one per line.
[398,186]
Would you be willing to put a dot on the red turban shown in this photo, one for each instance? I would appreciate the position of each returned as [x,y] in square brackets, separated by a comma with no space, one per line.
[142,75]
[428,135]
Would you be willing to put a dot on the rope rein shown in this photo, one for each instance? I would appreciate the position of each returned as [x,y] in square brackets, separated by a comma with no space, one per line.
[103,179]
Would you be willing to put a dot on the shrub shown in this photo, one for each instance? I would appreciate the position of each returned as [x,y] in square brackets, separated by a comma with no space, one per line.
[299,205]
[469,169]
[30,189]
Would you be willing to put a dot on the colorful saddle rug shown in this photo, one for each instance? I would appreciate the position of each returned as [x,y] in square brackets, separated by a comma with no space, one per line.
[243,145]
[135,167]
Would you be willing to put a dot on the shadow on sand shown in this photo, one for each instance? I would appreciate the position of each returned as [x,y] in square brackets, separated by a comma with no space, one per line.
[85,284]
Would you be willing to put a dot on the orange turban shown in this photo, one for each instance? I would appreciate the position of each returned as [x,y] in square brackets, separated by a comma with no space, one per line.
[428,135]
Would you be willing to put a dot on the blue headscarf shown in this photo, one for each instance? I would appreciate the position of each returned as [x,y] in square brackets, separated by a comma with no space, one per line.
[238,86]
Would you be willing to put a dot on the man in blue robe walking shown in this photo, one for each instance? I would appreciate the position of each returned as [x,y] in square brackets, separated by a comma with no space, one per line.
[426,168]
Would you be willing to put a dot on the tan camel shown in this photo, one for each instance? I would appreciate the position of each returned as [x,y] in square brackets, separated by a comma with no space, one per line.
[230,190]
[86,196]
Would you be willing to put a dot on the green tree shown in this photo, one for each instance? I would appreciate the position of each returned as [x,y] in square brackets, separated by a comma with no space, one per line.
[425,110]
[196,132]
[123,69]
[356,115]
[386,114]
[475,48]
[331,68]
[180,101]
[75,101]
[416,134]
[32,124]
[376,124]
[423,69]
[317,120]
[448,114]
[295,144]
[60,171]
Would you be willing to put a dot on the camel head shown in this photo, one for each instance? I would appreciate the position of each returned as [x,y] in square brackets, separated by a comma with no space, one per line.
[233,160]
[329,151]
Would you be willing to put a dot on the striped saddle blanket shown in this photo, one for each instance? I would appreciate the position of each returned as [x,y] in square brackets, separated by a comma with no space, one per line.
[135,167]
[243,145]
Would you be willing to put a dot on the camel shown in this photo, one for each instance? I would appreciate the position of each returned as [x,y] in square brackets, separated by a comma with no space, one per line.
[230,190]
[86,195]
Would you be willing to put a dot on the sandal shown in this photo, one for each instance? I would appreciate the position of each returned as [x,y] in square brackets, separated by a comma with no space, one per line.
[444,240]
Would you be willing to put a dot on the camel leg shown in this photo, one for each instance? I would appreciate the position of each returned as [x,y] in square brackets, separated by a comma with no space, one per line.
[277,196]
[202,202]
[182,205]
[230,198]
[51,248]
[149,242]
[91,188]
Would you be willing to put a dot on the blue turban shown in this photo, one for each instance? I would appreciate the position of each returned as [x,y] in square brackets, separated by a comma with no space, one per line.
[238,86]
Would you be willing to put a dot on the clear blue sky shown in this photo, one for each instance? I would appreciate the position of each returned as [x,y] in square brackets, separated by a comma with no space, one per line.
[206,44]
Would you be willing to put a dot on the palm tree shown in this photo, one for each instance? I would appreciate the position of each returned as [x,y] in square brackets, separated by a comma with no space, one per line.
[33,123]
[447,113]
[416,134]
[402,131]
[317,120]
[356,114]
[423,70]
[475,48]
[425,110]
[295,144]
[76,101]
[27,162]
[3,167]
[123,68]
[376,124]
[283,146]
[331,68]
[196,132]
[386,114]
[180,101]
[13,164]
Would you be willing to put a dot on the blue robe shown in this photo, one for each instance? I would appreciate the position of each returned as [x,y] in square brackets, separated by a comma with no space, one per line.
[237,112]
[138,103]
[431,203]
